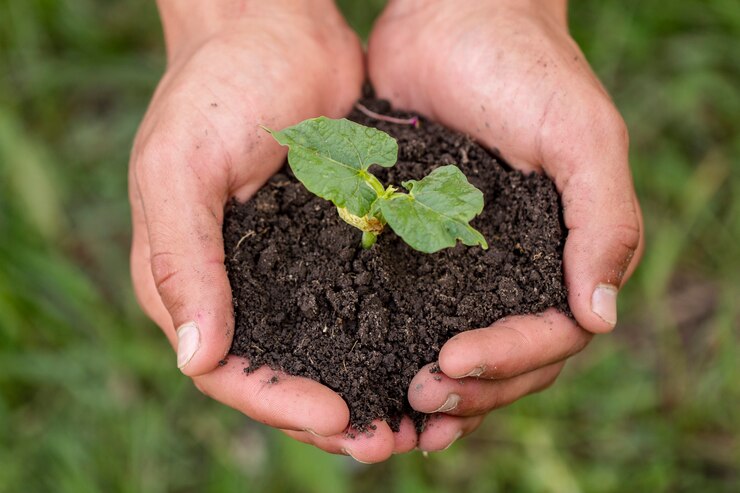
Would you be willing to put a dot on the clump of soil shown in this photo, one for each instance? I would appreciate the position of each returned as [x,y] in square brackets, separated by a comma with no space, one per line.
[310,301]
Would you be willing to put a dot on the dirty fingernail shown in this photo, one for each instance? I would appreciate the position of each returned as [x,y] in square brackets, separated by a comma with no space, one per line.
[347,452]
[454,439]
[310,431]
[475,372]
[188,343]
[449,405]
[604,303]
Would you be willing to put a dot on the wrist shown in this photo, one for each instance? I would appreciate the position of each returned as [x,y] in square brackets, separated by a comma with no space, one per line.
[189,22]
[556,9]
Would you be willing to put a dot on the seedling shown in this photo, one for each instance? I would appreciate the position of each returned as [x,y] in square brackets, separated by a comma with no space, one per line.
[331,158]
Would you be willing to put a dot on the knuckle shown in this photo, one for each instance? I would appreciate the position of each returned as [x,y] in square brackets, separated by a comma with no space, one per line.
[627,232]
[153,158]
[168,158]
[622,131]
[629,235]
[609,123]
[598,119]
[167,272]
[590,132]
[494,401]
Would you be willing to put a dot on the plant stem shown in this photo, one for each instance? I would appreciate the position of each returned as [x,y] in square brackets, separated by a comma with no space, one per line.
[368,239]
[373,182]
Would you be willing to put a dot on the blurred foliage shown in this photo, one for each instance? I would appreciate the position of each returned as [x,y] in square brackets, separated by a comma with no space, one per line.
[90,399]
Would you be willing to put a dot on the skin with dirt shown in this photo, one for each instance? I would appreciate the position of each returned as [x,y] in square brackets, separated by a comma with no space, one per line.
[310,301]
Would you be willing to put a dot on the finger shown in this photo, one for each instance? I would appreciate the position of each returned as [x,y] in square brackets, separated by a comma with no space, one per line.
[512,346]
[438,393]
[589,163]
[141,271]
[442,430]
[183,221]
[369,447]
[276,399]
[406,438]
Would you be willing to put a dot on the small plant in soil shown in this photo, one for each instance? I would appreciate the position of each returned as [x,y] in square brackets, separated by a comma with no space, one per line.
[363,322]
[331,158]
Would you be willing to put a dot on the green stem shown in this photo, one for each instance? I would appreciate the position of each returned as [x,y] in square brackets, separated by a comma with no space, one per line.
[368,239]
[374,183]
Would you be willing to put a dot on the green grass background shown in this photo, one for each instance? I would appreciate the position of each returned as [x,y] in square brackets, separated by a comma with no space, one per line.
[90,399]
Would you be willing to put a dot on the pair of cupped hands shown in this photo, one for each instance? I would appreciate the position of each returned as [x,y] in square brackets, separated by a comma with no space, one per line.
[506,72]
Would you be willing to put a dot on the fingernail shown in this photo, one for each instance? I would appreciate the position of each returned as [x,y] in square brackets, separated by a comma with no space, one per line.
[454,439]
[457,436]
[188,343]
[604,303]
[347,452]
[450,404]
[310,431]
[475,372]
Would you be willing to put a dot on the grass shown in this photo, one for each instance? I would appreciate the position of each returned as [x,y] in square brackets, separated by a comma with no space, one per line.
[89,396]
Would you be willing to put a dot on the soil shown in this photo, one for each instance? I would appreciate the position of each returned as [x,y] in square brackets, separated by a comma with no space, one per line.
[310,301]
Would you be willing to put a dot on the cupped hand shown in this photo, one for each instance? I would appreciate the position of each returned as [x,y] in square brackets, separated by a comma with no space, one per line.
[509,74]
[271,63]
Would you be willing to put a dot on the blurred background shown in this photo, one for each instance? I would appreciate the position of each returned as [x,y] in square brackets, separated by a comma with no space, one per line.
[90,399]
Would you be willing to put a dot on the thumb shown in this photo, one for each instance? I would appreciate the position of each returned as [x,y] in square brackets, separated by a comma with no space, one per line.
[183,212]
[603,219]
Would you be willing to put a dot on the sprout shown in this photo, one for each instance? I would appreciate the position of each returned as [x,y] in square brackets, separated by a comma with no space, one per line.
[331,158]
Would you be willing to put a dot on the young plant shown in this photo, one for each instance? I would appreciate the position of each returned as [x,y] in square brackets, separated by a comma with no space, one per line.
[331,158]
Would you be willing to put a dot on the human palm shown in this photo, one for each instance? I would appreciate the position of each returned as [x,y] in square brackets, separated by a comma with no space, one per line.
[510,75]
[200,144]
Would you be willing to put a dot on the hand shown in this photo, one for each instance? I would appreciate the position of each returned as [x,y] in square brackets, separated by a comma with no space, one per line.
[272,63]
[509,74]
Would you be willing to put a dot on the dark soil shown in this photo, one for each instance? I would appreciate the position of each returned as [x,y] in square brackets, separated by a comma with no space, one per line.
[310,301]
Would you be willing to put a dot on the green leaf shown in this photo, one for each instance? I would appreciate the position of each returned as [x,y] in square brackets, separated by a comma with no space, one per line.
[331,157]
[436,211]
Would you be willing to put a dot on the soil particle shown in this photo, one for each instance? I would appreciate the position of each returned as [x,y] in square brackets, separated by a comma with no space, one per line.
[308,300]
